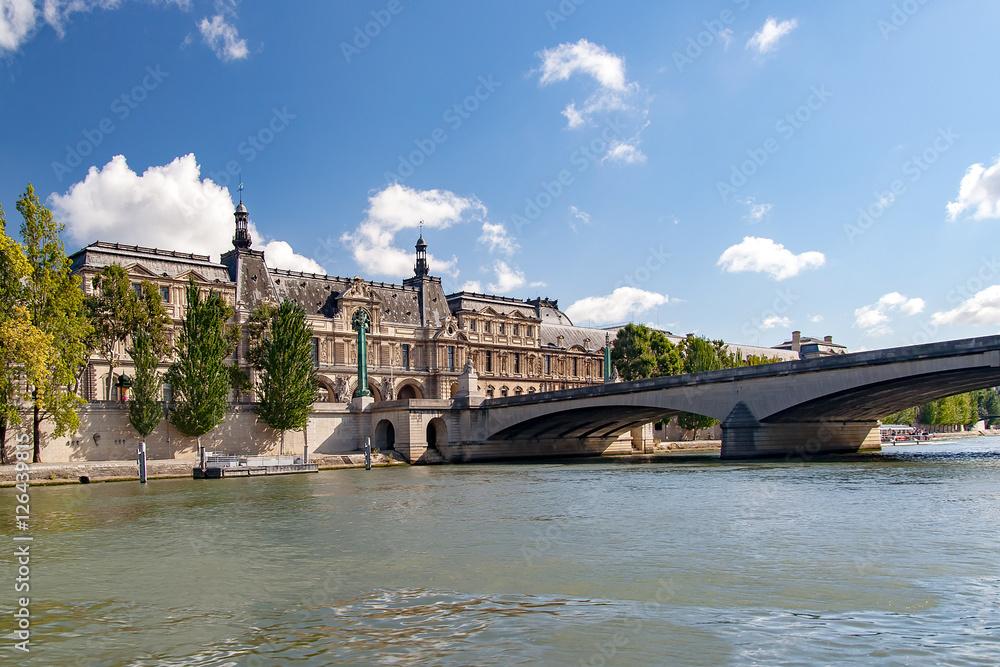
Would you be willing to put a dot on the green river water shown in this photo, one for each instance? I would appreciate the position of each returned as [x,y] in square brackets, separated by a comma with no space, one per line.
[884,559]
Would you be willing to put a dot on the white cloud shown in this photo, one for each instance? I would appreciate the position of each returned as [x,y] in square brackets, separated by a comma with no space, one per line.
[396,208]
[223,38]
[17,20]
[497,237]
[775,321]
[816,319]
[766,39]
[615,307]
[508,279]
[614,91]
[983,307]
[764,255]
[582,216]
[168,206]
[874,318]
[979,191]
[727,37]
[585,57]
[471,286]
[624,152]
[757,211]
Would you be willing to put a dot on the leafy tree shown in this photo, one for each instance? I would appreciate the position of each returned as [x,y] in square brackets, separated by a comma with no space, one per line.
[145,410]
[632,353]
[25,351]
[200,378]
[904,416]
[281,352]
[149,343]
[112,310]
[55,306]
[700,355]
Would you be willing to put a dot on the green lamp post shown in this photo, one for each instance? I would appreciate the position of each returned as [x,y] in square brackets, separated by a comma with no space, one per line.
[607,357]
[361,322]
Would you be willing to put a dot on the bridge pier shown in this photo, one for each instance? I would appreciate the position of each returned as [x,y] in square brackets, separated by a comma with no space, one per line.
[744,437]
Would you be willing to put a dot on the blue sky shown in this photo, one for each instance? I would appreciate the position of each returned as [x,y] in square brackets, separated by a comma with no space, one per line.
[735,169]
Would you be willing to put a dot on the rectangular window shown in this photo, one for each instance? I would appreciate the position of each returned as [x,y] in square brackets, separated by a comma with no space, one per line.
[500,327]
[486,327]
[489,361]
[527,331]
[472,325]
[406,356]
[575,374]
[137,288]
[548,364]
[165,293]
[517,362]
[451,357]
[315,352]
[516,330]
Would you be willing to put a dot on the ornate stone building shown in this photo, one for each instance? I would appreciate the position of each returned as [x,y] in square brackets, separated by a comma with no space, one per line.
[420,338]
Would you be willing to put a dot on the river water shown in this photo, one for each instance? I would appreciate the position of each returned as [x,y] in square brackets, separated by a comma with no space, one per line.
[886,559]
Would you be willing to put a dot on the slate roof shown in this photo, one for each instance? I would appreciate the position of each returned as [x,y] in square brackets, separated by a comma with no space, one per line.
[168,263]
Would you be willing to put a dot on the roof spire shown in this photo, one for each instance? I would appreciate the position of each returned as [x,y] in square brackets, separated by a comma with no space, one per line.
[421,269]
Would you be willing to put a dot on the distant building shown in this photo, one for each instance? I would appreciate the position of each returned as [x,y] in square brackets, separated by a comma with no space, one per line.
[810,348]
[420,337]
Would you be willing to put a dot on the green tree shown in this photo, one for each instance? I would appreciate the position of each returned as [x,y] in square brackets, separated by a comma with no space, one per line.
[149,343]
[286,376]
[200,377]
[700,355]
[905,416]
[632,353]
[25,351]
[145,410]
[113,310]
[55,305]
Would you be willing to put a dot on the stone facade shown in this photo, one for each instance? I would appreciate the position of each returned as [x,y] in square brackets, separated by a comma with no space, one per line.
[420,338]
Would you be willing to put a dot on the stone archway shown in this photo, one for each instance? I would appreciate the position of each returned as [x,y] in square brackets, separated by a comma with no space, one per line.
[453,390]
[409,390]
[437,435]
[385,435]
[325,390]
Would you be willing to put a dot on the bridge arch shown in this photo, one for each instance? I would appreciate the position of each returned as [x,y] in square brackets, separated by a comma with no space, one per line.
[385,435]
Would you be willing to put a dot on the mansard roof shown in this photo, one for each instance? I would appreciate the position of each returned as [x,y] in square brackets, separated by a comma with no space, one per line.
[318,294]
[153,261]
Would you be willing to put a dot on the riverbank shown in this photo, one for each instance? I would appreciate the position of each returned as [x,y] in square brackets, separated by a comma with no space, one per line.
[123,471]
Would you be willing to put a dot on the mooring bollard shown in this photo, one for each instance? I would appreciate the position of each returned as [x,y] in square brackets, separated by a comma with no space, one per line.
[305,454]
[368,453]
[142,463]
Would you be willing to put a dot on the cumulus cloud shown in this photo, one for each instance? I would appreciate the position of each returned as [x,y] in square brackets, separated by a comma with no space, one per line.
[508,279]
[614,91]
[979,192]
[615,307]
[223,38]
[765,256]
[168,207]
[584,57]
[397,207]
[874,318]
[983,307]
[766,39]
[471,286]
[497,238]
[775,321]
[17,21]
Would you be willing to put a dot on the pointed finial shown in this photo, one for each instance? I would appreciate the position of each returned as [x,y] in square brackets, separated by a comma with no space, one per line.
[240,188]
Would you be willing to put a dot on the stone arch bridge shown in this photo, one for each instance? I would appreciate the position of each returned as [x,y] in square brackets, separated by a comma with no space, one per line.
[813,406]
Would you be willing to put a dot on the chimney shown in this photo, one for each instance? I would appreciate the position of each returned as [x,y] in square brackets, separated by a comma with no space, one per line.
[796,341]
[828,339]
[561,340]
